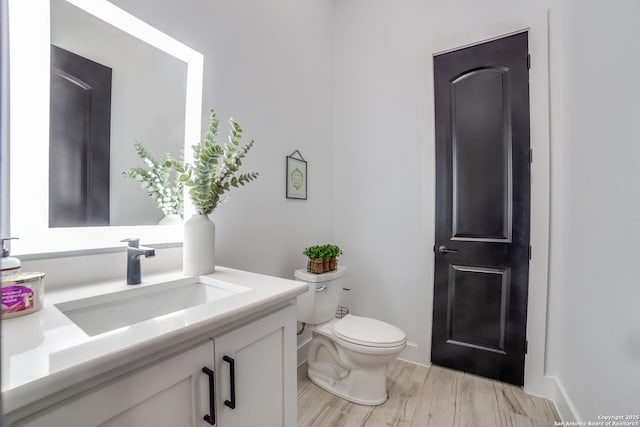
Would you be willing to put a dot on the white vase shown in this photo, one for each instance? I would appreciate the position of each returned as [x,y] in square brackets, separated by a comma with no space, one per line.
[199,247]
[171,219]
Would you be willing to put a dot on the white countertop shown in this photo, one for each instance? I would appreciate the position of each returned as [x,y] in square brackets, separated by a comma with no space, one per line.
[45,352]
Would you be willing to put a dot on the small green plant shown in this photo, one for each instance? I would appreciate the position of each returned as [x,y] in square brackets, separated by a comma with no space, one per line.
[215,167]
[334,251]
[157,181]
[322,251]
[313,252]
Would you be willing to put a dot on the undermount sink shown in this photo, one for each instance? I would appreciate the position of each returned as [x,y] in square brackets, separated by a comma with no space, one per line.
[103,313]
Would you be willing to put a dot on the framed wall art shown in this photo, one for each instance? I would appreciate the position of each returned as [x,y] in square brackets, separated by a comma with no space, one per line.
[296,187]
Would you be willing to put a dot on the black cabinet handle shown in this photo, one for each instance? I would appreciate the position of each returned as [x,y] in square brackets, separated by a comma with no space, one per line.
[211,416]
[232,378]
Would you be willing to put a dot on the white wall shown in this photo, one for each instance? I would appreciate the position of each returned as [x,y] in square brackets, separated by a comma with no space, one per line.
[384,178]
[596,299]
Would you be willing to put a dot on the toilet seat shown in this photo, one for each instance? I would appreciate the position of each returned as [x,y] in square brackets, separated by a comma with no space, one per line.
[366,332]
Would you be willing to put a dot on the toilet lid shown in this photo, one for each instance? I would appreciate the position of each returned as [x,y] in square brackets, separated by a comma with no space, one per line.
[368,332]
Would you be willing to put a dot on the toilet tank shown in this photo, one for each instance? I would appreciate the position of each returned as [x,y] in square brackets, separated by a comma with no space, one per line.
[322,298]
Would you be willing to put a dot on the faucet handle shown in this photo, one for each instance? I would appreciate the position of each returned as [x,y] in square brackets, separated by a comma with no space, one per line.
[134,242]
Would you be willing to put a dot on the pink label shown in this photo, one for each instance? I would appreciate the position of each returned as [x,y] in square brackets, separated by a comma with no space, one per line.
[16,298]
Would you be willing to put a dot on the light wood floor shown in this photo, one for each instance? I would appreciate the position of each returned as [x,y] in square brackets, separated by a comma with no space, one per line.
[427,397]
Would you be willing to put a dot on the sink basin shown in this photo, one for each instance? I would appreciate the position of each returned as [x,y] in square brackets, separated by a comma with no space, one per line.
[103,313]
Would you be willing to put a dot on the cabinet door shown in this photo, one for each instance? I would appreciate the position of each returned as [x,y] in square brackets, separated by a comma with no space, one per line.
[171,393]
[263,354]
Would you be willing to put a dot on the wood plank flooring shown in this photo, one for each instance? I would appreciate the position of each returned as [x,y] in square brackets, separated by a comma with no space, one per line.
[427,397]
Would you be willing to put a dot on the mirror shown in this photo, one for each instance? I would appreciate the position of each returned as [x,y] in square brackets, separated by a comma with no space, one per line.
[92,134]
[156,99]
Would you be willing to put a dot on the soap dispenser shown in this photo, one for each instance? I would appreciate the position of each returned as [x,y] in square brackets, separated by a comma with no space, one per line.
[9,264]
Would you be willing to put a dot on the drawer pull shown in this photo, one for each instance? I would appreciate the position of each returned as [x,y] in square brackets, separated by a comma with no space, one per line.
[211,416]
[232,378]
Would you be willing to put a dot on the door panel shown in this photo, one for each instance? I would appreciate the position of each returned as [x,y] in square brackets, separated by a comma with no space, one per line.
[170,393]
[257,357]
[79,141]
[482,208]
[468,288]
[481,141]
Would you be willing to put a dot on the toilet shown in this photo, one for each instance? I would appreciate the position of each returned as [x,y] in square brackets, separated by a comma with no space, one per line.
[347,357]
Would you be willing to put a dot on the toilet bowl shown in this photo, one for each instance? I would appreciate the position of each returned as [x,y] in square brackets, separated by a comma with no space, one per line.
[347,357]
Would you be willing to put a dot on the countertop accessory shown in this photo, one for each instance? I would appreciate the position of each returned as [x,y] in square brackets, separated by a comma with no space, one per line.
[22,293]
[214,171]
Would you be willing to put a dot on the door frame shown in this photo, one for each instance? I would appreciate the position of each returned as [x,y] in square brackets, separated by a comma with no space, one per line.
[537,27]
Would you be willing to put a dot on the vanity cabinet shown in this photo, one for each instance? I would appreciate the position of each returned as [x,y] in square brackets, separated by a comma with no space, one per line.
[245,377]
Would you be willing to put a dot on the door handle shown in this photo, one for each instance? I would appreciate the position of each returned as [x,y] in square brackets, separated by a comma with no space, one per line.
[211,416]
[232,378]
[444,250]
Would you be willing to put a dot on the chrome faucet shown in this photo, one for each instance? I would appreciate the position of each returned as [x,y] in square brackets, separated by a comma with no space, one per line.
[134,251]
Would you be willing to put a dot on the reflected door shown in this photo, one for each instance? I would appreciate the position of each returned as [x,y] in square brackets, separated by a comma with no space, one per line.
[79,141]
[482,209]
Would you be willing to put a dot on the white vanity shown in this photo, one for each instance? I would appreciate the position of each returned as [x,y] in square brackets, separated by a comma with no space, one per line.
[88,359]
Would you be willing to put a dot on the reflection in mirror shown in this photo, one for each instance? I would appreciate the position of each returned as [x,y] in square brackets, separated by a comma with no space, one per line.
[151,116]
[108,90]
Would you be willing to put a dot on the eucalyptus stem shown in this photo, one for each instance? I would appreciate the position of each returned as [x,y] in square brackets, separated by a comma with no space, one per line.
[215,167]
[156,180]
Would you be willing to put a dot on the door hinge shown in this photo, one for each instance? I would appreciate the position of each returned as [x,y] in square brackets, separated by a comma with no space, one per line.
[530,155]
[529,61]
[526,346]
[530,250]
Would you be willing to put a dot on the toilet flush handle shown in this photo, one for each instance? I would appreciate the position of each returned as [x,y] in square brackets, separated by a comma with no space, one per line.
[321,288]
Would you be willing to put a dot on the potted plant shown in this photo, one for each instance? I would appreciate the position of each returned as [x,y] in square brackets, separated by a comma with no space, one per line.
[326,257]
[213,172]
[158,183]
[316,262]
[334,252]
[322,258]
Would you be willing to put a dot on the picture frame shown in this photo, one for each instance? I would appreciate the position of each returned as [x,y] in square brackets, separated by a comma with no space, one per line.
[296,177]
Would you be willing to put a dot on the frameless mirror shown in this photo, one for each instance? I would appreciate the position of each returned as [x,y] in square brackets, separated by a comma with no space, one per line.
[155,98]
[108,90]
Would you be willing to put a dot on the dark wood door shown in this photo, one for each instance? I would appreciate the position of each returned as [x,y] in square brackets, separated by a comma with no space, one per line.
[482,209]
[79,143]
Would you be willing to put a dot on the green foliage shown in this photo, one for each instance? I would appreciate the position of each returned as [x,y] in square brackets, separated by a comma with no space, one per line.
[157,181]
[215,167]
[322,251]
[334,251]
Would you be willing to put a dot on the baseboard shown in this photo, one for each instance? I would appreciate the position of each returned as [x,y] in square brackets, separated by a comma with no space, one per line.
[413,354]
[561,399]
[303,350]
